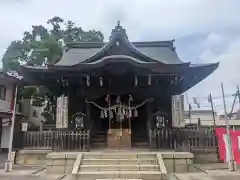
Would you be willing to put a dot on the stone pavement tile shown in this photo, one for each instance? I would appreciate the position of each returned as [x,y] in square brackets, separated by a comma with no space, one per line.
[17,172]
[212,166]
[2,177]
[43,174]
[190,176]
[225,177]
[222,174]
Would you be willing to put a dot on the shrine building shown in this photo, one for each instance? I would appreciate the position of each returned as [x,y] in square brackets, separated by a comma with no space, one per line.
[119,91]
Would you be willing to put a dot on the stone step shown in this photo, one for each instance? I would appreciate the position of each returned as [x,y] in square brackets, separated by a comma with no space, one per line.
[117,155]
[98,139]
[102,133]
[119,167]
[143,175]
[99,143]
[119,161]
[142,144]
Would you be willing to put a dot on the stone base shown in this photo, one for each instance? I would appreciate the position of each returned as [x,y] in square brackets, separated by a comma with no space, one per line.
[177,161]
[205,157]
[32,157]
[61,162]
[69,162]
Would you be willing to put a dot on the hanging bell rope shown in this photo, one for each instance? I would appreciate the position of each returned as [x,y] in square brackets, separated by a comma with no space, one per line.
[110,117]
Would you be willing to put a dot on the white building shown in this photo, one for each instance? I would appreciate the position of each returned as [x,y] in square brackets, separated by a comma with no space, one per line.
[205,117]
[7,96]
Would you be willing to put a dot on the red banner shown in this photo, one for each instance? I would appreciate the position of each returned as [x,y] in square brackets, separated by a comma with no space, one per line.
[222,144]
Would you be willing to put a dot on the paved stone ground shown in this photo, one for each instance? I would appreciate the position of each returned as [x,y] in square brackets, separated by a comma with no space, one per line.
[3,157]
[209,172]
[216,171]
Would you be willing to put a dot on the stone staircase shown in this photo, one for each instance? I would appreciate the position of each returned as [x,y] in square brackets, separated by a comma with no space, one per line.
[119,165]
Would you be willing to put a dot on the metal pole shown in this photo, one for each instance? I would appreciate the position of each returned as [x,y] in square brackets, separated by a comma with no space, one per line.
[213,113]
[190,113]
[229,143]
[238,95]
[214,126]
[8,164]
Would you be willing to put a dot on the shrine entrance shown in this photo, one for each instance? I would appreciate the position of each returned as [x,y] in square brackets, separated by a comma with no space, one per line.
[122,118]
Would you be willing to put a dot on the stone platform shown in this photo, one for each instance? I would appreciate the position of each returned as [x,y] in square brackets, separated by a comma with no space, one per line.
[112,164]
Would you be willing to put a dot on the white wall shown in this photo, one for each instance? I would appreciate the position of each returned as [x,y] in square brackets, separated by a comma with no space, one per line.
[210,122]
[6,104]
[28,110]
[5,136]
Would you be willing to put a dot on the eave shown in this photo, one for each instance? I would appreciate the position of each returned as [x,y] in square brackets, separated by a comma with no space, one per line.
[53,76]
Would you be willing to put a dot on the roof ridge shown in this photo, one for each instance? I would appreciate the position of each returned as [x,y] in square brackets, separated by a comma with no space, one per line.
[78,44]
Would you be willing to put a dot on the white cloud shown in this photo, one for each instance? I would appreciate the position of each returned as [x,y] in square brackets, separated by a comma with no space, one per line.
[227,72]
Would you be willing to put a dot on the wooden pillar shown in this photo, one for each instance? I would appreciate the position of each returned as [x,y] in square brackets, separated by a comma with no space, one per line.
[88,117]
[150,125]
[0,133]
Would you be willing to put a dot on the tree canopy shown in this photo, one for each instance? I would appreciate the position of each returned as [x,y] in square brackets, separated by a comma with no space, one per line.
[43,46]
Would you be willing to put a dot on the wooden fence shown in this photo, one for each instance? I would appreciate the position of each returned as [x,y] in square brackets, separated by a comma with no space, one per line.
[58,140]
[188,138]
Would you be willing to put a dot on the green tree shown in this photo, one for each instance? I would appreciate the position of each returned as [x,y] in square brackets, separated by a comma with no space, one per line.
[42,47]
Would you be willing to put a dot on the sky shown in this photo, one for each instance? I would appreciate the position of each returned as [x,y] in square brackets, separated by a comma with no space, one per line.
[205,31]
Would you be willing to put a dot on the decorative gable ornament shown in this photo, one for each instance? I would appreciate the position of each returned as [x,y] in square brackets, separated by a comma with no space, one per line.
[118,30]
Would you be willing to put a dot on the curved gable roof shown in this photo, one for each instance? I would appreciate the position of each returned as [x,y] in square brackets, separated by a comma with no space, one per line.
[162,52]
[157,51]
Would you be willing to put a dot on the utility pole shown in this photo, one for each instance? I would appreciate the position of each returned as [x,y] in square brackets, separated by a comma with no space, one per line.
[213,113]
[231,162]
[238,95]
[9,162]
[214,125]
[190,113]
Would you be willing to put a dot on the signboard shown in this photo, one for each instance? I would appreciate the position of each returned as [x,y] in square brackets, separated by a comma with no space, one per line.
[178,111]
[24,126]
[223,145]
[62,112]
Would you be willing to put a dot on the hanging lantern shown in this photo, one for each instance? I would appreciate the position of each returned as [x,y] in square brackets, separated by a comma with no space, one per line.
[88,80]
[118,100]
[135,113]
[130,97]
[102,114]
[149,79]
[101,81]
[135,81]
